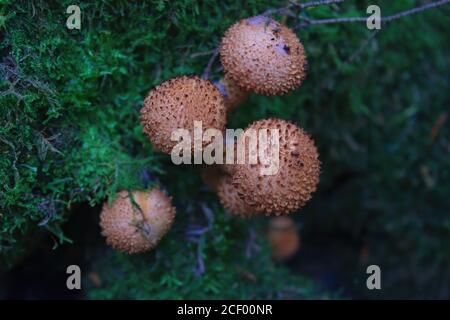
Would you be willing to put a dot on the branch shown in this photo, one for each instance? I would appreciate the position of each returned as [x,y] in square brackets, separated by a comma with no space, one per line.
[308,21]
[301,6]
[214,55]
[361,48]
[196,234]
[202,54]
[414,10]
[314,3]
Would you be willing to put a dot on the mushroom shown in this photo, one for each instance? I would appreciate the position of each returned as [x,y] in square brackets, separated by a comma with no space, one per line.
[230,199]
[232,93]
[176,104]
[262,55]
[296,179]
[136,221]
[283,238]
[220,182]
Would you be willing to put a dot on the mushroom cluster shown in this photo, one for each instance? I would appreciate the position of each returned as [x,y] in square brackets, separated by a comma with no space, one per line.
[258,55]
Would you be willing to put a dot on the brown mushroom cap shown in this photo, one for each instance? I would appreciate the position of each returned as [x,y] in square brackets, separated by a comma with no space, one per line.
[176,104]
[230,199]
[283,237]
[232,93]
[220,182]
[263,55]
[297,178]
[137,226]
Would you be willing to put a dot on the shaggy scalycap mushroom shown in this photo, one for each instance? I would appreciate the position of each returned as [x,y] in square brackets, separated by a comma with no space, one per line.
[176,104]
[232,93]
[136,224]
[220,182]
[230,199]
[297,178]
[262,55]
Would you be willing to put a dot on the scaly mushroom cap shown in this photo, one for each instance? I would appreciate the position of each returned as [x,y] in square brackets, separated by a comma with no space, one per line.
[176,104]
[264,56]
[137,226]
[230,199]
[232,93]
[297,176]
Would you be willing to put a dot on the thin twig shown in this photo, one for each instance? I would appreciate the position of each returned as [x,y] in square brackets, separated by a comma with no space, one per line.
[301,6]
[314,3]
[308,21]
[202,54]
[361,48]
[196,234]
[250,245]
[414,10]
[210,63]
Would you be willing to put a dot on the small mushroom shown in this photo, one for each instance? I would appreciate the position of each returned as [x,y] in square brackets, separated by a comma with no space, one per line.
[230,199]
[283,238]
[296,179]
[220,182]
[136,224]
[232,93]
[262,55]
[176,104]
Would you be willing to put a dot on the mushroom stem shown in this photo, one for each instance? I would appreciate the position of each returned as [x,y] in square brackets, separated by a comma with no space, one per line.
[233,94]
